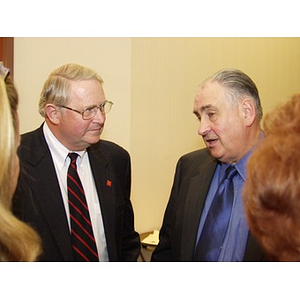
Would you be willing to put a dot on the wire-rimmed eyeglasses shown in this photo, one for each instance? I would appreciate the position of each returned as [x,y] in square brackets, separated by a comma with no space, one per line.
[90,112]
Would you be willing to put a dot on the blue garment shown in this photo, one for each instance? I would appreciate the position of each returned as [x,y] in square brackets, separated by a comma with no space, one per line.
[234,245]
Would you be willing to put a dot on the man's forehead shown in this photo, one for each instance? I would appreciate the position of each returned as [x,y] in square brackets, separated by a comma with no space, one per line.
[209,92]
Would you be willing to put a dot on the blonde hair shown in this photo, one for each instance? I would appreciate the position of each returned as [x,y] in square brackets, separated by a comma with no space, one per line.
[18,241]
[56,87]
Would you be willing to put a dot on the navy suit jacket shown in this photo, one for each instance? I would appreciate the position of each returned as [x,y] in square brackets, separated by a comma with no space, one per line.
[178,235]
[38,200]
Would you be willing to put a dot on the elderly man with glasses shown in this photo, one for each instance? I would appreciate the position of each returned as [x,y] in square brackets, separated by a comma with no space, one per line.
[74,188]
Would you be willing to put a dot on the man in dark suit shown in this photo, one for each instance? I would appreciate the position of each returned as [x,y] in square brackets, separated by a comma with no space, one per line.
[74,106]
[229,110]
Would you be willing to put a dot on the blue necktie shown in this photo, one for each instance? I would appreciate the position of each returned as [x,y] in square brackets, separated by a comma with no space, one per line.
[216,223]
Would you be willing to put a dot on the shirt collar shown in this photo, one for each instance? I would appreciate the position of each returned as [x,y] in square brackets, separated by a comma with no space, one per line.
[58,151]
[242,163]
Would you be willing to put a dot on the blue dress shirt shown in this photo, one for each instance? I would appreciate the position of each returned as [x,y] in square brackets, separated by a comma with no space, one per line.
[234,245]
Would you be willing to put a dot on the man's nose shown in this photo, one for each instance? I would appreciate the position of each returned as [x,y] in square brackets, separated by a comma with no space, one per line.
[204,128]
[100,116]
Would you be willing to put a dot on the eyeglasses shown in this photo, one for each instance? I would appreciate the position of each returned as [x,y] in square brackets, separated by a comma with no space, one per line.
[90,112]
[4,72]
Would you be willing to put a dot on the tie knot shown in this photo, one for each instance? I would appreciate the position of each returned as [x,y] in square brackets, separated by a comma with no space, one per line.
[230,172]
[73,156]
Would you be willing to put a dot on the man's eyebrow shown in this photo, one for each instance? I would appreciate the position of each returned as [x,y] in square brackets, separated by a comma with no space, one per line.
[206,107]
[203,108]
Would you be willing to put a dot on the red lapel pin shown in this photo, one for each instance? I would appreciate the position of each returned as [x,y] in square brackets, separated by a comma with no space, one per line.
[108,183]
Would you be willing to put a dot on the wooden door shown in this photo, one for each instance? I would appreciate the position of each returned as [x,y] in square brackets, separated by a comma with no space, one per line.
[7,53]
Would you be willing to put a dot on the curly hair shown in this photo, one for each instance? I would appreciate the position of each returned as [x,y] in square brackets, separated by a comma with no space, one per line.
[272,188]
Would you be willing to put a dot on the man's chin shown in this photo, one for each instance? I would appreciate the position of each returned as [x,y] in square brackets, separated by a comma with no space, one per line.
[216,154]
[93,139]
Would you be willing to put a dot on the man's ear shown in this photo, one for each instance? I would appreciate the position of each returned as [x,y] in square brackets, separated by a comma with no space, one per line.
[52,113]
[248,110]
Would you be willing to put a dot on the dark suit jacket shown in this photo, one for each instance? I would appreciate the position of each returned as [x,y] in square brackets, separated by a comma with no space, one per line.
[38,200]
[194,173]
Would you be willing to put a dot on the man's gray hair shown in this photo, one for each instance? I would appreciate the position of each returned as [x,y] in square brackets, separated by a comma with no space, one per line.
[239,85]
[56,88]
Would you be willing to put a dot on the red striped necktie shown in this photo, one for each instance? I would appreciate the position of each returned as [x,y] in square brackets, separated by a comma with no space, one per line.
[83,241]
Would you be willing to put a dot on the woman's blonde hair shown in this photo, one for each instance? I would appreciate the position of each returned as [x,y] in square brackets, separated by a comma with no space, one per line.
[18,241]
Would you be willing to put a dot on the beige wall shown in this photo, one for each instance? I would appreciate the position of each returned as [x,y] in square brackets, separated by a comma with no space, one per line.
[152,82]
[35,58]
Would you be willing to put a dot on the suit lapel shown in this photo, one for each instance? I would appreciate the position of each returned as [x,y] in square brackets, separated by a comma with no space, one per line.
[197,191]
[46,188]
[106,187]
[195,199]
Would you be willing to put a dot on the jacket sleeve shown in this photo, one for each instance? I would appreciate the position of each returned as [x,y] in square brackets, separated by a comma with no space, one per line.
[165,248]
[130,240]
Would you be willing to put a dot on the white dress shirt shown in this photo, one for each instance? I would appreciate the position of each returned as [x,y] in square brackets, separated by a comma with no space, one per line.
[61,162]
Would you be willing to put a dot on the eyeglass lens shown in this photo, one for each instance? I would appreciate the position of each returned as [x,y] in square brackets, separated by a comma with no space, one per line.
[91,112]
